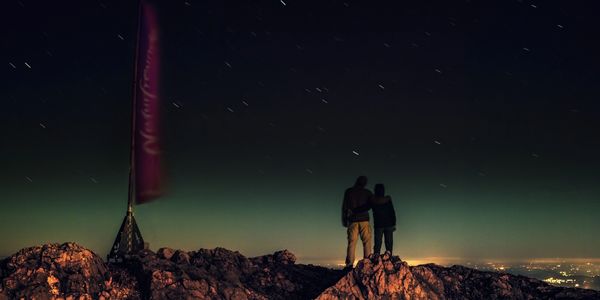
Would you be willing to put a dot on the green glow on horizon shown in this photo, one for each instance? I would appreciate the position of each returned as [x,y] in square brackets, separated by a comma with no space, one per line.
[255,219]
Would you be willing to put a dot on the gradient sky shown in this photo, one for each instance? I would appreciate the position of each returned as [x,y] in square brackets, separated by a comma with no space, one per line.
[480,117]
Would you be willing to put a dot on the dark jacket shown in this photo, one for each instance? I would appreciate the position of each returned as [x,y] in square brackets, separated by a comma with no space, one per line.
[355,197]
[383,212]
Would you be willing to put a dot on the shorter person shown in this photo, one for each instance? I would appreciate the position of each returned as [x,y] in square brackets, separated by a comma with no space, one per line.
[384,219]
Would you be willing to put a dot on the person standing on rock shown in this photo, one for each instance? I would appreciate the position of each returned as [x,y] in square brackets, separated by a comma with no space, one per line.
[356,218]
[384,218]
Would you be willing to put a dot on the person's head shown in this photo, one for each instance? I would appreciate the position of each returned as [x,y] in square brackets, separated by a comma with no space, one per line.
[361,181]
[379,190]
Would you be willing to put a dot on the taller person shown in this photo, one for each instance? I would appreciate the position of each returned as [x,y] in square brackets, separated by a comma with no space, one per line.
[356,219]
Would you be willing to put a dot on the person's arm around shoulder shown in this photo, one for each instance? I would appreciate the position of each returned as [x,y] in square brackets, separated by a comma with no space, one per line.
[393,210]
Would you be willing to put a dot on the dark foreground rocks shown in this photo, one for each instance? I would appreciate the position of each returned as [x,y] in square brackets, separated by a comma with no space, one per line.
[56,271]
[69,271]
[222,274]
[387,277]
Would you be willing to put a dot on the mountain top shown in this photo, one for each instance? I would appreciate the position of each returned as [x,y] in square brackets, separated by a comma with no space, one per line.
[388,277]
[70,271]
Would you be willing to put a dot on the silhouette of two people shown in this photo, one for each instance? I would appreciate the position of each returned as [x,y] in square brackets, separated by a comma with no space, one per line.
[358,200]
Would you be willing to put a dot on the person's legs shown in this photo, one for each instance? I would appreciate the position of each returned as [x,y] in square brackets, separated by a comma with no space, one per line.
[365,236]
[352,237]
[378,237]
[389,238]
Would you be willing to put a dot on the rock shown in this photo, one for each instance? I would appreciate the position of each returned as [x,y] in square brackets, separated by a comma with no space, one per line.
[284,257]
[69,271]
[387,277]
[165,253]
[225,274]
[181,257]
[54,271]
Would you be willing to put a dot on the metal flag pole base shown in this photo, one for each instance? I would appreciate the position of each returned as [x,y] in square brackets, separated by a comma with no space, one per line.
[129,240]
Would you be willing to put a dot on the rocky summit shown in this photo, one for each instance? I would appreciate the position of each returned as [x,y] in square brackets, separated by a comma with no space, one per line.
[70,271]
[388,277]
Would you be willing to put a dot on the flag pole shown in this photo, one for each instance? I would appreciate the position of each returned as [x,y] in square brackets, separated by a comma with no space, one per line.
[131,188]
[129,238]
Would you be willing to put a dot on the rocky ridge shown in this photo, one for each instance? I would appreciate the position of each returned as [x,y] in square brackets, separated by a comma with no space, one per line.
[388,277]
[69,271]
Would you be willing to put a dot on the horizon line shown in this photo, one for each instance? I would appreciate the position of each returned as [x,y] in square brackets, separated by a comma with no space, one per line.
[442,260]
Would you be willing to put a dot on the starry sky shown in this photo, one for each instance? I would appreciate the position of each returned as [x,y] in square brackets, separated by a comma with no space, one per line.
[480,117]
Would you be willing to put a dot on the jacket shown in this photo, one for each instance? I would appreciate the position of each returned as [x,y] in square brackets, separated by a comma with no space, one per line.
[354,198]
[384,214]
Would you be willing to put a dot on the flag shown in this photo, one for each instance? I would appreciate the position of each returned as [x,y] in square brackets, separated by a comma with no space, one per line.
[147,144]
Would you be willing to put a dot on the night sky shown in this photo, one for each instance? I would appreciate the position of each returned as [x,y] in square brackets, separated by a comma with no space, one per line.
[481,117]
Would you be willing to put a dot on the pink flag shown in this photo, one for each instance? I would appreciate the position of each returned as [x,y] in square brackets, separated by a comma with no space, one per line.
[147,152]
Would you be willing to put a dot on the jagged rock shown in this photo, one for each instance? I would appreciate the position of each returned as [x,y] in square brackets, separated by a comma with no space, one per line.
[387,277]
[69,271]
[224,274]
[54,271]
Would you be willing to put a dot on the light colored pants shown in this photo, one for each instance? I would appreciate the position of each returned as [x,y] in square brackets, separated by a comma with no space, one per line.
[354,230]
